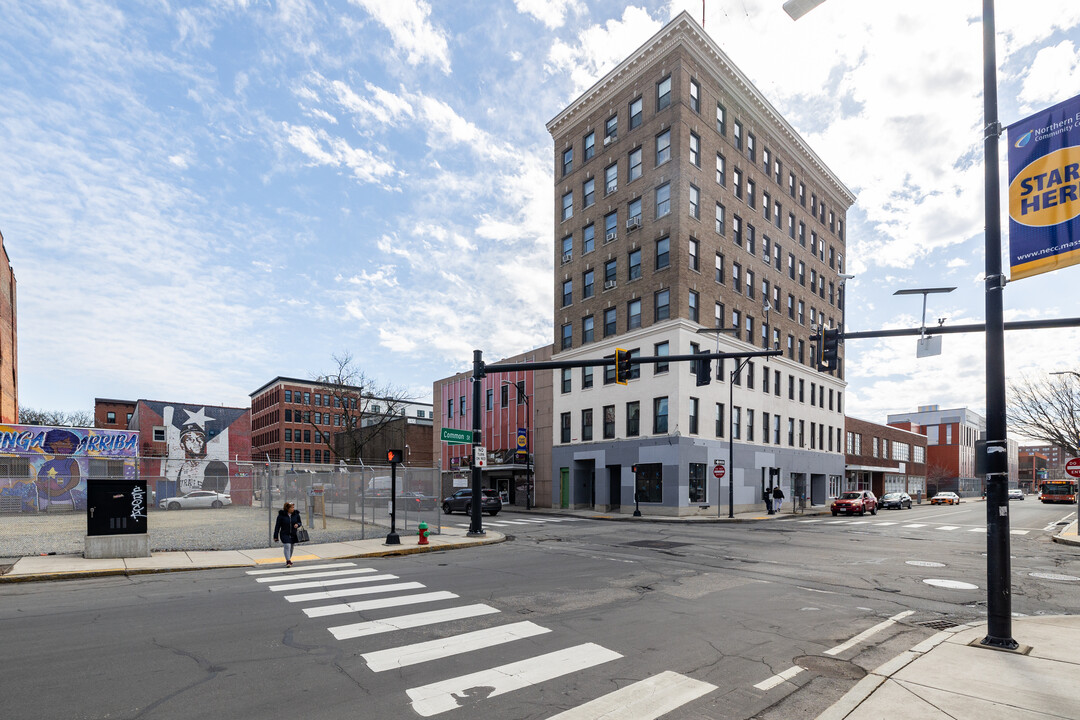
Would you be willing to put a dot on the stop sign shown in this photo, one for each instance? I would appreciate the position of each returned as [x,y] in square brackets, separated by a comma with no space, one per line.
[718,471]
[1073,467]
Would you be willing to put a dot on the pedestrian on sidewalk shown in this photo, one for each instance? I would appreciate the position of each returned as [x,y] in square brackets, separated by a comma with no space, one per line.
[777,498]
[288,521]
[768,500]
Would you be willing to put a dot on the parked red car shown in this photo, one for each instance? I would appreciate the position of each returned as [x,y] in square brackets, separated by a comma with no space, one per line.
[856,501]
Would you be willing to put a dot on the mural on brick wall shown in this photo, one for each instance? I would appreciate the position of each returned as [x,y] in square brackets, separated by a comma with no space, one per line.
[201,441]
[45,466]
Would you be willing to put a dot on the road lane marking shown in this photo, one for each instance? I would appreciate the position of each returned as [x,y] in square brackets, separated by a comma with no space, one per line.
[775,680]
[868,633]
[362,605]
[439,697]
[402,622]
[399,657]
[916,525]
[350,592]
[810,521]
[1019,532]
[883,524]
[837,522]
[647,699]
[948,527]
[978,530]
[287,571]
[331,583]
[308,576]
[860,522]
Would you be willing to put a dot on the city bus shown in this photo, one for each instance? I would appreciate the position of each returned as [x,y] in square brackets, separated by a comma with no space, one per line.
[1058,491]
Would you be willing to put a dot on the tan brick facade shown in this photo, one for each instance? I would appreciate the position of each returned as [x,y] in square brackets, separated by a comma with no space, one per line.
[9,341]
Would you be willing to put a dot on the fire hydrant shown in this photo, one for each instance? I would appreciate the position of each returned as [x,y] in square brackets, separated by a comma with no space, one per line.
[424,532]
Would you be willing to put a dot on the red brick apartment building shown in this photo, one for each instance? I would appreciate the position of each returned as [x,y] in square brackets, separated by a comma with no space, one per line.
[113,414]
[884,458]
[9,342]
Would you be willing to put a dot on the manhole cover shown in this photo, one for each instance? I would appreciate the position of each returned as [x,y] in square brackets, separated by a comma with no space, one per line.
[1053,576]
[831,667]
[950,584]
[925,563]
[657,544]
[938,624]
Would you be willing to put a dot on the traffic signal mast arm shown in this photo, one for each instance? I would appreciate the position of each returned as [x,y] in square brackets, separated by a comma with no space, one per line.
[979,327]
[610,360]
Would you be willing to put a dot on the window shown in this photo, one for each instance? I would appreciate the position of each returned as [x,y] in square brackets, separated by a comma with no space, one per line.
[586,377]
[587,284]
[693,251]
[611,129]
[721,119]
[611,221]
[802,273]
[633,418]
[110,417]
[633,314]
[737,177]
[567,208]
[490,400]
[765,159]
[586,424]
[766,209]
[307,398]
[720,219]
[609,322]
[663,200]
[590,146]
[609,422]
[450,407]
[662,253]
[697,483]
[609,273]
[588,239]
[695,149]
[695,202]
[736,422]
[694,403]
[751,242]
[588,192]
[288,396]
[719,420]
[749,425]
[694,306]
[611,178]
[791,184]
[791,432]
[564,424]
[663,93]
[718,318]
[635,265]
[461,405]
[567,248]
[660,412]
[778,171]
[159,434]
[663,147]
[695,96]
[750,284]
[566,385]
[288,454]
[802,312]
[736,277]
[721,170]
[634,165]
[633,213]
[660,349]
[568,161]
[587,329]
[750,153]
[662,309]
[737,135]
[736,322]
[635,113]
[736,229]
[567,342]
[567,292]
[802,194]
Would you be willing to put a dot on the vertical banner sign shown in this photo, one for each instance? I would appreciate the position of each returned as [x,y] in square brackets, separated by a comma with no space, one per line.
[522,442]
[1044,190]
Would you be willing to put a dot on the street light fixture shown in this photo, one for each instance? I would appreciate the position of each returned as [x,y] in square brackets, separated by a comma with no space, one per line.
[1066,372]
[528,454]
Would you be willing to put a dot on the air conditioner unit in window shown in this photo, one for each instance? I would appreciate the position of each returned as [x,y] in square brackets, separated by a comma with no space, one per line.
[567,256]
[608,284]
[612,187]
[634,222]
[610,236]
[608,140]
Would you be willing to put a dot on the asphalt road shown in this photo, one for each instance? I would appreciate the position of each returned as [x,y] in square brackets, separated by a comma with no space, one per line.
[564,614]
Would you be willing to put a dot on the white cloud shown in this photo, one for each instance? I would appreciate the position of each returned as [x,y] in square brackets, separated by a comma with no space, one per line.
[599,48]
[552,13]
[1054,75]
[408,22]
[323,149]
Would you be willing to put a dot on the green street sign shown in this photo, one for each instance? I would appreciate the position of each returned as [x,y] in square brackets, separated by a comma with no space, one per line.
[453,436]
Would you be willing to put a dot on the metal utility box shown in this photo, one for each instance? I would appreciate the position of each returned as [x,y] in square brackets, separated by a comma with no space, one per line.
[116,519]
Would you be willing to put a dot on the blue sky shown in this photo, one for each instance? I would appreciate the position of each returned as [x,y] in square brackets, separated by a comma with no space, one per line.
[199,196]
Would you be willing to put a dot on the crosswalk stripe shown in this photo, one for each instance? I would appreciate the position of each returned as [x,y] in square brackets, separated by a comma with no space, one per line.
[350,592]
[860,522]
[406,655]
[330,583]
[401,622]
[285,571]
[541,522]
[810,521]
[883,524]
[439,697]
[516,522]
[308,576]
[775,680]
[914,526]
[1019,532]
[837,522]
[948,527]
[647,699]
[976,529]
[361,605]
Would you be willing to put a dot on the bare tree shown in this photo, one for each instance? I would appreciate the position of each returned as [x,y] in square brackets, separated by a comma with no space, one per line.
[360,410]
[1047,409]
[78,418]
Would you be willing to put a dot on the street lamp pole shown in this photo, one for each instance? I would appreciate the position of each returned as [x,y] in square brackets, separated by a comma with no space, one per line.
[731,436]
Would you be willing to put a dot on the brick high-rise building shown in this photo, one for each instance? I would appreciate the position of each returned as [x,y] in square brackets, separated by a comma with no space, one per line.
[684,201]
[9,341]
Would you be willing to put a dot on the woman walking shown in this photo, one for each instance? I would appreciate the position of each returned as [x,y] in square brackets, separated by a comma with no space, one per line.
[288,521]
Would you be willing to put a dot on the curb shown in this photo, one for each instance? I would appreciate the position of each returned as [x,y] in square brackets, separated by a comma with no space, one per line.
[85,574]
[1070,529]
[684,520]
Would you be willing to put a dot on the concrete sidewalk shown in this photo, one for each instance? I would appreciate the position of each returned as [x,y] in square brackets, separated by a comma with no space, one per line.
[57,567]
[950,675]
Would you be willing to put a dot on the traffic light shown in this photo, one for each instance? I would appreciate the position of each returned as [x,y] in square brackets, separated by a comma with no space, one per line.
[622,365]
[830,341]
[704,369]
[393,456]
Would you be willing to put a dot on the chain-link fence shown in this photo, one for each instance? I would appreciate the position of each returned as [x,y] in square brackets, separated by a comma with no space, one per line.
[200,504]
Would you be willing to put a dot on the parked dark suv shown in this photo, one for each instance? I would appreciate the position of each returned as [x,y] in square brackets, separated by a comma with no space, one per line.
[462,501]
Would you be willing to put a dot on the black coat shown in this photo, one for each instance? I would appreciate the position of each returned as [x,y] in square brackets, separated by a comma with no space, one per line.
[777,493]
[284,526]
